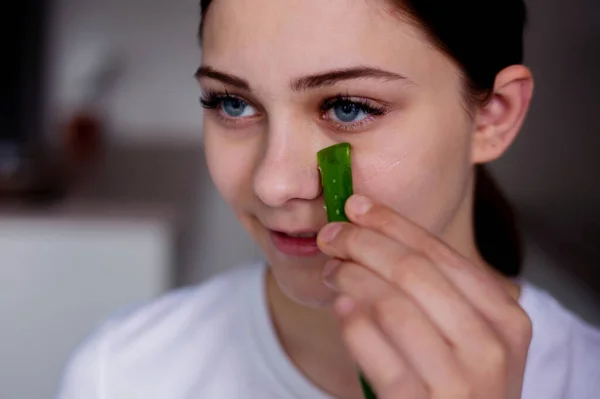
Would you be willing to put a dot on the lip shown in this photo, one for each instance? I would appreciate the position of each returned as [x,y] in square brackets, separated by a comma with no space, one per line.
[296,232]
[295,246]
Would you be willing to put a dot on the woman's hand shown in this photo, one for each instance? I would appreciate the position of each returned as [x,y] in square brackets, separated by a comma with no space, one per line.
[421,320]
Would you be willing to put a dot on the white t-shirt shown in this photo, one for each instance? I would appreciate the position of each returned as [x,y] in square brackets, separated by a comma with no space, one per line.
[217,341]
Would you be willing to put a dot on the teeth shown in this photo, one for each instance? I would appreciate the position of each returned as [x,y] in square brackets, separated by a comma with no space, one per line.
[303,235]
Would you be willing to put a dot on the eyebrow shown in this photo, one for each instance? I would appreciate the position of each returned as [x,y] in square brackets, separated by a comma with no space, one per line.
[308,82]
[231,80]
[332,77]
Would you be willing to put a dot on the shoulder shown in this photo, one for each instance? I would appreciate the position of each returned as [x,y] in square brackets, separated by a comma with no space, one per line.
[552,319]
[585,360]
[198,306]
[565,350]
[182,321]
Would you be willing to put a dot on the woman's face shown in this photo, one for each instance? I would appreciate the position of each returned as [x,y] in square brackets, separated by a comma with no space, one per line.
[284,79]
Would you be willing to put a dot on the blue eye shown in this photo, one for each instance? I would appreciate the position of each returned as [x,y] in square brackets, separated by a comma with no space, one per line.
[228,105]
[346,110]
[236,108]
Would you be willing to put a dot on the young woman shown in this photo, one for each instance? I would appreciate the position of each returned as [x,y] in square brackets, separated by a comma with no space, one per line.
[419,291]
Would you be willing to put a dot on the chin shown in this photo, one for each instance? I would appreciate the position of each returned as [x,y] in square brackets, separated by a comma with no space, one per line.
[298,278]
[302,280]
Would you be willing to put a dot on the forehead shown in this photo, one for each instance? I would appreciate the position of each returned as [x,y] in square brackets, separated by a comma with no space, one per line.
[289,38]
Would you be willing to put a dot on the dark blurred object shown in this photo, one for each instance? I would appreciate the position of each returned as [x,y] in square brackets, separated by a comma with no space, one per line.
[84,139]
[30,176]
[27,169]
[83,143]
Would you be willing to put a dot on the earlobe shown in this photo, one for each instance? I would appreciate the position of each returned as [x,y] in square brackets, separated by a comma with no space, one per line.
[500,119]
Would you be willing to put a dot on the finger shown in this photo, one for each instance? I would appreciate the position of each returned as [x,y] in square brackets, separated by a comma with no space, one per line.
[422,345]
[406,325]
[384,367]
[411,272]
[480,287]
[362,283]
[476,284]
[385,220]
[385,264]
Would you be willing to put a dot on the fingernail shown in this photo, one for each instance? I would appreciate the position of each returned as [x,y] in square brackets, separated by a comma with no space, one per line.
[344,306]
[329,273]
[359,204]
[330,231]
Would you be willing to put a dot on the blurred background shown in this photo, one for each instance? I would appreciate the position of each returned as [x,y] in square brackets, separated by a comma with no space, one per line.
[105,201]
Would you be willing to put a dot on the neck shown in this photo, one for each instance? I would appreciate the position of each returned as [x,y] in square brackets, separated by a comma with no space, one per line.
[459,234]
[312,339]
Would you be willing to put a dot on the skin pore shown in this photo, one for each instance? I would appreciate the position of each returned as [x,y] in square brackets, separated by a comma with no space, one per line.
[277,91]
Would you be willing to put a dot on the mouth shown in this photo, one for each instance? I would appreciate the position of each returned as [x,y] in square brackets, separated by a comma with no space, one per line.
[295,243]
[298,235]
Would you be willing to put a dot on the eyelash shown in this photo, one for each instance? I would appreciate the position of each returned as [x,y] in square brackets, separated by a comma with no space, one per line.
[371,110]
[212,100]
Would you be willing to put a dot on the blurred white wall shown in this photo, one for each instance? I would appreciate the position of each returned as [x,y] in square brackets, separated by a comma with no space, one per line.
[153,44]
[62,275]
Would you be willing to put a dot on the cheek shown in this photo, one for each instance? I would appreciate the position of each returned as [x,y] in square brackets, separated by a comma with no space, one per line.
[230,165]
[422,173]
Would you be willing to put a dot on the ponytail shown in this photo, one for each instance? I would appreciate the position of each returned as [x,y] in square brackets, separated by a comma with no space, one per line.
[496,232]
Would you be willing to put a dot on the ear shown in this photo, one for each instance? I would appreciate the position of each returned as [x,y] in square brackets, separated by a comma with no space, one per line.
[499,120]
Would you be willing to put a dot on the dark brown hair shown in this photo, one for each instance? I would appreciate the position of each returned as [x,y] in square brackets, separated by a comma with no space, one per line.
[483,37]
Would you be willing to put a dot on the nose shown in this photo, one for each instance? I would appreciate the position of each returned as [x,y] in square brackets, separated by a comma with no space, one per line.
[288,170]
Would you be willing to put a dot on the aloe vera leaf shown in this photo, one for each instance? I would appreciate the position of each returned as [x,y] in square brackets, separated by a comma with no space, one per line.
[336,177]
